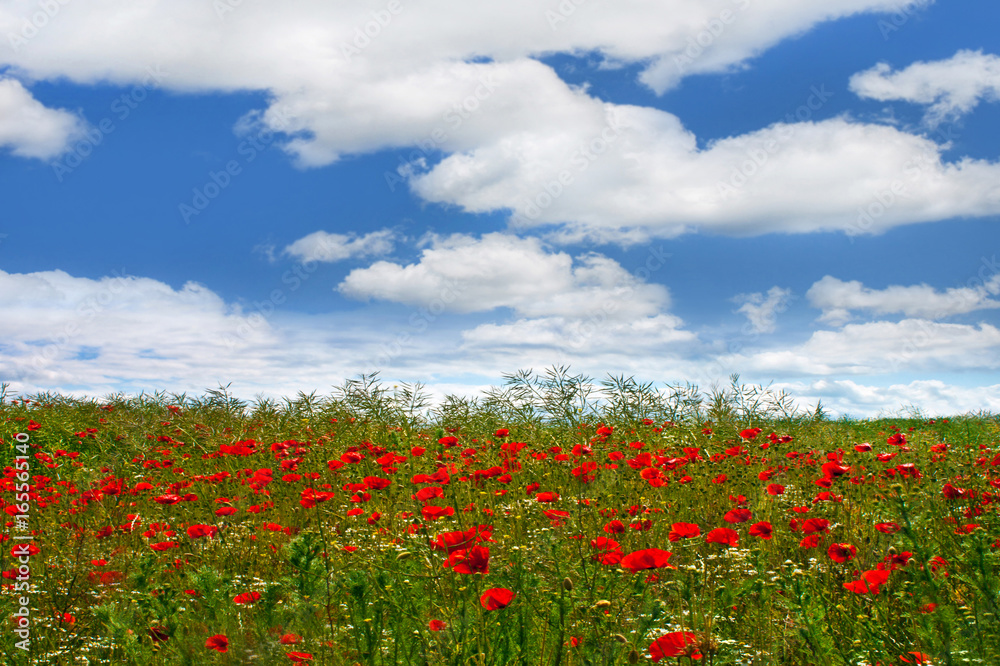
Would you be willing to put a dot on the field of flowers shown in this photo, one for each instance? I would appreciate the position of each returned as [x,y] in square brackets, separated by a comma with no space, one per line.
[550,521]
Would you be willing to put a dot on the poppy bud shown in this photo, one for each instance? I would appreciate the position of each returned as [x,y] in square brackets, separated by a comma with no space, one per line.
[402,556]
[633,657]
[567,584]
[603,603]
[620,638]
[891,551]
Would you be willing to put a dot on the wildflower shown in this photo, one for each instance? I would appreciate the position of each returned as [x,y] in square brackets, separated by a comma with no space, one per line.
[650,558]
[675,644]
[219,643]
[841,552]
[723,535]
[816,525]
[614,527]
[737,516]
[198,531]
[246,598]
[431,512]
[471,561]
[762,529]
[680,531]
[496,598]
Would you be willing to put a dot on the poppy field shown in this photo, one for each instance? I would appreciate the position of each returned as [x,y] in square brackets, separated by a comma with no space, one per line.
[551,520]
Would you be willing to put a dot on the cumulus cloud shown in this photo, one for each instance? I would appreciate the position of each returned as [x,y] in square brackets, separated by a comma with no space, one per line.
[30,129]
[437,79]
[880,348]
[932,397]
[838,299]
[760,310]
[460,273]
[950,88]
[330,247]
[127,333]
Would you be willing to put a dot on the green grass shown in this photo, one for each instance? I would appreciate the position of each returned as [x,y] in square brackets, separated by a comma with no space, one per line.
[353,576]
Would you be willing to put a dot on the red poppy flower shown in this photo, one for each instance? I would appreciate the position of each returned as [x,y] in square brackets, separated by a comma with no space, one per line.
[649,558]
[723,535]
[834,469]
[167,499]
[225,511]
[864,447]
[246,598]
[547,497]
[436,625]
[750,433]
[614,527]
[762,529]
[915,658]
[28,550]
[219,643]
[810,541]
[841,552]
[431,512]
[869,583]
[604,544]
[675,644]
[299,657]
[198,531]
[291,639]
[875,578]
[737,516]
[164,545]
[899,439]
[502,432]
[775,489]
[429,493]
[461,539]
[857,587]
[951,492]
[472,561]
[496,598]
[680,531]
[816,525]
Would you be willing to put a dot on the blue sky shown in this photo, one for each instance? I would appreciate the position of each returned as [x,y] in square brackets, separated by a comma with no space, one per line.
[804,193]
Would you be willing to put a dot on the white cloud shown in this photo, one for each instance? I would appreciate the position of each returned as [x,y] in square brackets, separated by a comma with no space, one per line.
[596,334]
[932,397]
[281,46]
[837,299]
[761,310]
[950,88]
[460,273]
[629,173]
[30,129]
[461,80]
[93,337]
[328,247]
[879,348]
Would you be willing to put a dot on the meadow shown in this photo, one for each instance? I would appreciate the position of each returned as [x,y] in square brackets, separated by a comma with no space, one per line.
[551,520]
